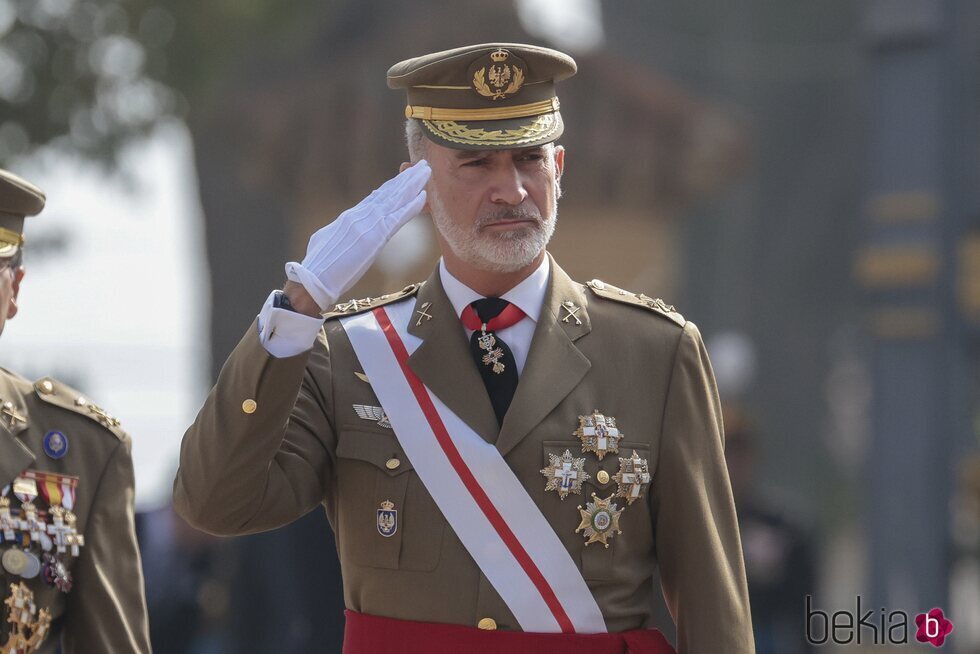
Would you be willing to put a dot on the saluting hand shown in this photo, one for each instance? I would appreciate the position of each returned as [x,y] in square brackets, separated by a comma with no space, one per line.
[341,252]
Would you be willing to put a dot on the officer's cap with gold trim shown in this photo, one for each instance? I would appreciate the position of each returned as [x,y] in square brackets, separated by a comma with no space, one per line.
[18,199]
[491,96]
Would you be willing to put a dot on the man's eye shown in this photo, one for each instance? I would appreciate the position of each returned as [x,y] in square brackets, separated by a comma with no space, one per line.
[532,156]
[475,163]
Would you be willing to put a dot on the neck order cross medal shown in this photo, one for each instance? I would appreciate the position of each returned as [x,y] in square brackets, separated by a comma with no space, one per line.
[488,343]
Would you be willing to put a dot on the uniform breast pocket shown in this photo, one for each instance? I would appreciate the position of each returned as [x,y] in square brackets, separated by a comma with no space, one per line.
[617,478]
[386,518]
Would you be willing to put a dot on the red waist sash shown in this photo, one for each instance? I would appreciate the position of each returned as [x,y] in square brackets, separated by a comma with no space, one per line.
[370,634]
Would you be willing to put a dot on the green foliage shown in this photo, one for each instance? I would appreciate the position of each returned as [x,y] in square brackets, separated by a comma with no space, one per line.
[88,75]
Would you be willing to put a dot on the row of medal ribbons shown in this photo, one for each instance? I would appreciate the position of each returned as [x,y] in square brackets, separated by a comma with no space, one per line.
[36,542]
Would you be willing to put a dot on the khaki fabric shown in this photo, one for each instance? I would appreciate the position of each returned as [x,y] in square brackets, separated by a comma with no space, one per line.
[105,611]
[303,444]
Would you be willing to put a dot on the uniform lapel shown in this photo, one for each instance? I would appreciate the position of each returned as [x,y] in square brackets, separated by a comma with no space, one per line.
[14,456]
[443,361]
[554,365]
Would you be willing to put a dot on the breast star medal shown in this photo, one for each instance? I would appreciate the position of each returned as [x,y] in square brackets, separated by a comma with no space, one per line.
[565,474]
[633,477]
[387,519]
[598,433]
[600,520]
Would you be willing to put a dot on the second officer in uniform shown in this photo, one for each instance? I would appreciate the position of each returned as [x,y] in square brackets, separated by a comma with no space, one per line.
[71,574]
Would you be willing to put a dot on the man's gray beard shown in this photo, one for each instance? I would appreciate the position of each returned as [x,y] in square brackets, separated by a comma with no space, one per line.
[502,252]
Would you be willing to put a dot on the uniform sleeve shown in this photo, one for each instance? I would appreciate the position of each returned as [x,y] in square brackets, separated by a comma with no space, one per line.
[259,453]
[284,333]
[697,539]
[106,609]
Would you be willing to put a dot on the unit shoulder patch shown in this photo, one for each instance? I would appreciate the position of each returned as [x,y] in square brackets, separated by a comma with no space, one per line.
[62,395]
[654,304]
[352,307]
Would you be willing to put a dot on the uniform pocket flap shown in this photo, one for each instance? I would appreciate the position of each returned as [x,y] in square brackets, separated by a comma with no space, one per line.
[380,450]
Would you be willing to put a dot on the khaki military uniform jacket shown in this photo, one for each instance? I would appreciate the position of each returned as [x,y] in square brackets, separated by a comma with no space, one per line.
[277,437]
[105,610]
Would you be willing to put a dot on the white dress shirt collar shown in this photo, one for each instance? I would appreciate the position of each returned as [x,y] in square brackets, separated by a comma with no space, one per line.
[528,295]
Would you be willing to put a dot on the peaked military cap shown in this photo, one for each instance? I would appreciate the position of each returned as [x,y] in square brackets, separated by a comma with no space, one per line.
[18,199]
[487,96]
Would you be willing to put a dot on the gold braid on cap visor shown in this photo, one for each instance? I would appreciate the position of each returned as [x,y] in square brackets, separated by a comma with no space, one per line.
[10,237]
[490,113]
[542,127]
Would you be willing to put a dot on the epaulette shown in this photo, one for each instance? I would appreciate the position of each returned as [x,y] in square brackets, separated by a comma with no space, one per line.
[655,304]
[54,392]
[351,307]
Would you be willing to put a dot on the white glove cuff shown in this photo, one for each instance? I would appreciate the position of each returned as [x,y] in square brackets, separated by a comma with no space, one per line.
[295,272]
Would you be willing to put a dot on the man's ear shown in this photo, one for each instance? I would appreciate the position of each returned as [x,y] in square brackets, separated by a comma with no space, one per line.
[15,286]
[559,169]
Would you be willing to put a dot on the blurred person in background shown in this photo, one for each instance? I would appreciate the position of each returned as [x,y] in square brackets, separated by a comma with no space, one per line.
[779,554]
[404,417]
[71,573]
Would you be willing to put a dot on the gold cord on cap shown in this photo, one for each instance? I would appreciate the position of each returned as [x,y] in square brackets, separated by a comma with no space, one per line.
[490,113]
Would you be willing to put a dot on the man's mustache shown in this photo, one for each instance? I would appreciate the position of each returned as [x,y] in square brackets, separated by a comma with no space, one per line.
[508,214]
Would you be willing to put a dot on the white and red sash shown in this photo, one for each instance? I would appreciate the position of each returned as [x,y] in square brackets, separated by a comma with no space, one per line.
[486,505]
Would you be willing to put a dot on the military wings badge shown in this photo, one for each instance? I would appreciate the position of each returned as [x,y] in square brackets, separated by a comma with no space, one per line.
[376,413]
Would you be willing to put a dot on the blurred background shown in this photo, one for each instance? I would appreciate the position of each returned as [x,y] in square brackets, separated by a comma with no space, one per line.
[799,178]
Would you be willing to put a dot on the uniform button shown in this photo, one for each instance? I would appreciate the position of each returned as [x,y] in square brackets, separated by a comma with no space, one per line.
[80,401]
[249,406]
[603,477]
[392,463]
[47,387]
[487,623]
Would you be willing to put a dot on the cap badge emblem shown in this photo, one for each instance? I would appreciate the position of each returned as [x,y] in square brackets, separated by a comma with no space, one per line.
[498,75]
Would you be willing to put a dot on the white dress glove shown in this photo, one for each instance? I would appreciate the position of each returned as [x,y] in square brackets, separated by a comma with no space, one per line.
[340,253]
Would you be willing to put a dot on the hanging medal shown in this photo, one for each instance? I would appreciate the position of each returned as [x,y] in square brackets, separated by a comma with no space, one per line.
[57,490]
[25,488]
[19,560]
[633,477]
[8,524]
[56,573]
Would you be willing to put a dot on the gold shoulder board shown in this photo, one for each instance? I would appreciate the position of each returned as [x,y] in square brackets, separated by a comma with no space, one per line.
[54,392]
[654,304]
[351,307]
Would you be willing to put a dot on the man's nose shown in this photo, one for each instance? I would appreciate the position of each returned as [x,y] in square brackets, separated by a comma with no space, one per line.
[508,186]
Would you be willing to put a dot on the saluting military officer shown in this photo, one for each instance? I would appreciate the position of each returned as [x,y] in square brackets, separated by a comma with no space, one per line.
[71,573]
[506,455]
